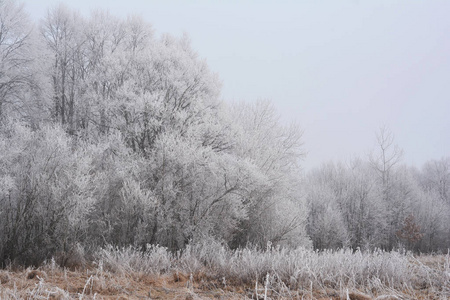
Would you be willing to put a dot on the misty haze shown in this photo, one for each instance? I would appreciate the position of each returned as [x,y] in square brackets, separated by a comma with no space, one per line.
[201,150]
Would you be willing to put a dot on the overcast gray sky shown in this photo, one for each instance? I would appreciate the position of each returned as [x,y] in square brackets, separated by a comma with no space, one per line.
[340,69]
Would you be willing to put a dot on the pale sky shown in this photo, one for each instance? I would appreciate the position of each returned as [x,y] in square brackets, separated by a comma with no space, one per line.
[340,69]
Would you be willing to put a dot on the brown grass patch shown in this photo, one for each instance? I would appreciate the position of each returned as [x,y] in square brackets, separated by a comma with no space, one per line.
[35,274]
[4,277]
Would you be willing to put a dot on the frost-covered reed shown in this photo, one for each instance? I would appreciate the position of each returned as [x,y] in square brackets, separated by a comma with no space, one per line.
[373,272]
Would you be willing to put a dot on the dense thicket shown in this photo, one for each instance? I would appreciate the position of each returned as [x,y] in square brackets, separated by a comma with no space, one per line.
[111,135]
[119,137]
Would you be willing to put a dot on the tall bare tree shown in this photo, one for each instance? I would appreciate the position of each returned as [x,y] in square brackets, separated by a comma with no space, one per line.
[16,54]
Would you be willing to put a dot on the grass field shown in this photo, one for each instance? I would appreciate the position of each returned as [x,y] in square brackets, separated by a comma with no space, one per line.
[212,271]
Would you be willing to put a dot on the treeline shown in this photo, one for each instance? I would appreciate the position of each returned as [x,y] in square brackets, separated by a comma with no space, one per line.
[380,203]
[111,135]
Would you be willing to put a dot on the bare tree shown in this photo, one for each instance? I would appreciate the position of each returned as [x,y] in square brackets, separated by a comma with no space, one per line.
[62,31]
[385,157]
[384,161]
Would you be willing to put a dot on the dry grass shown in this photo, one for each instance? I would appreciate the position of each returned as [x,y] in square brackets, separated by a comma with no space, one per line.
[92,284]
[214,272]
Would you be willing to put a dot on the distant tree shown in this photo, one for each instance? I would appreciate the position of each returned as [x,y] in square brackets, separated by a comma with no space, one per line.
[435,176]
[385,158]
[433,216]
[326,225]
[364,212]
[434,207]
[384,161]
[350,192]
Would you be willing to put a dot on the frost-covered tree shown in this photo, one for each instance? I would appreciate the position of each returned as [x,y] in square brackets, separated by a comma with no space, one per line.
[432,217]
[435,176]
[384,160]
[114,51]
[112,135]
[326,225]
[345,198]
[199,191]
[378,204]
[62,31]
[276,211]
[433,211]
[17,54]
[47,192]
